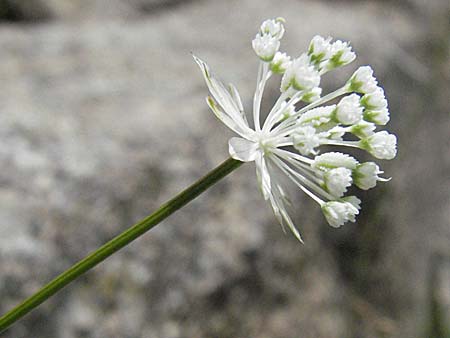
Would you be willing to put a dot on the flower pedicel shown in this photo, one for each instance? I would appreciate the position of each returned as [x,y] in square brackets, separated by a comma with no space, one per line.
[324,177]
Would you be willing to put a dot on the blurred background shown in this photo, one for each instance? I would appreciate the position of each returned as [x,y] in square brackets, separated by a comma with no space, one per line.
[102,118]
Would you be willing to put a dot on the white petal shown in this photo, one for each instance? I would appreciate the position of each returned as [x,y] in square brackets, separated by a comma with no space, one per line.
[242,150]
[263,176]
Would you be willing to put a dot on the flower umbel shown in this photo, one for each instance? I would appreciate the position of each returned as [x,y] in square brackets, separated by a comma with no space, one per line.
[291,126]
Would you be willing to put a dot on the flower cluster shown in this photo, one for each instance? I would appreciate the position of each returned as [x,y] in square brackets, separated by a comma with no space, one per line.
[290,137]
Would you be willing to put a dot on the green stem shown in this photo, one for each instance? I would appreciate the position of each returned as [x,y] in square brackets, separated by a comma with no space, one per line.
[118,242]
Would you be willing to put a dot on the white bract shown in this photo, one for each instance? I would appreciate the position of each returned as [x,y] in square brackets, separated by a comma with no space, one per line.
[289,139]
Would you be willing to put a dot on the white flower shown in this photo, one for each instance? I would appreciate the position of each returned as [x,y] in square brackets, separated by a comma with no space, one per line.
[265,46]
[382,145]
[332,160]
[337,181]
[380,117]
[317,116]
[287,110]
[362,129]
[273,27]
[348,110]
[375,105]
[336,133]
[353,200]
[280,63]
[306,140]
[300,75]
[319,49]
[365,176]
[337,213]
[374,100]
[326,177]
[326,56]
[312,95]
[362,81]
[341,55]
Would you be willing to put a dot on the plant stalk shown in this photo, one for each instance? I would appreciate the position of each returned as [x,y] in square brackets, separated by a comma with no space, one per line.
[118,242]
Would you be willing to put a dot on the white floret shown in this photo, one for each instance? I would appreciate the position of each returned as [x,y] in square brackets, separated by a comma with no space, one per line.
[337,213]
[363,81]
[348,110]
[337,181]
[382,145]
[265,46]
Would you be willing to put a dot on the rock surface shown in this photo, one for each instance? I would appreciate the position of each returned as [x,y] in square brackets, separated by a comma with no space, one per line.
[103,120]
[45,10]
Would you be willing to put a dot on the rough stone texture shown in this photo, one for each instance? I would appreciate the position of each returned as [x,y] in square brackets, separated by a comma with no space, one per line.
[45,10]
[103,120]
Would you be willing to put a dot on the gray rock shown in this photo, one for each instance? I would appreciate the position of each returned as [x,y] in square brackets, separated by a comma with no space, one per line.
[104,120]
[45,10]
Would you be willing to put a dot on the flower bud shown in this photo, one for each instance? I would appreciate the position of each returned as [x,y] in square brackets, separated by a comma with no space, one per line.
[353,200]
[317,116]
[341,55]
[382,145]
[365,175]
[337,213]
[362,81]
[265,46]
[319,49]
[287,110]
[332,160]
[375,100]
[300,75]
[380,117]
[280,63]
[337,180]
[336,133]
[312,95]
[273,27]
[305,140]
[348,110]
[362,129]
